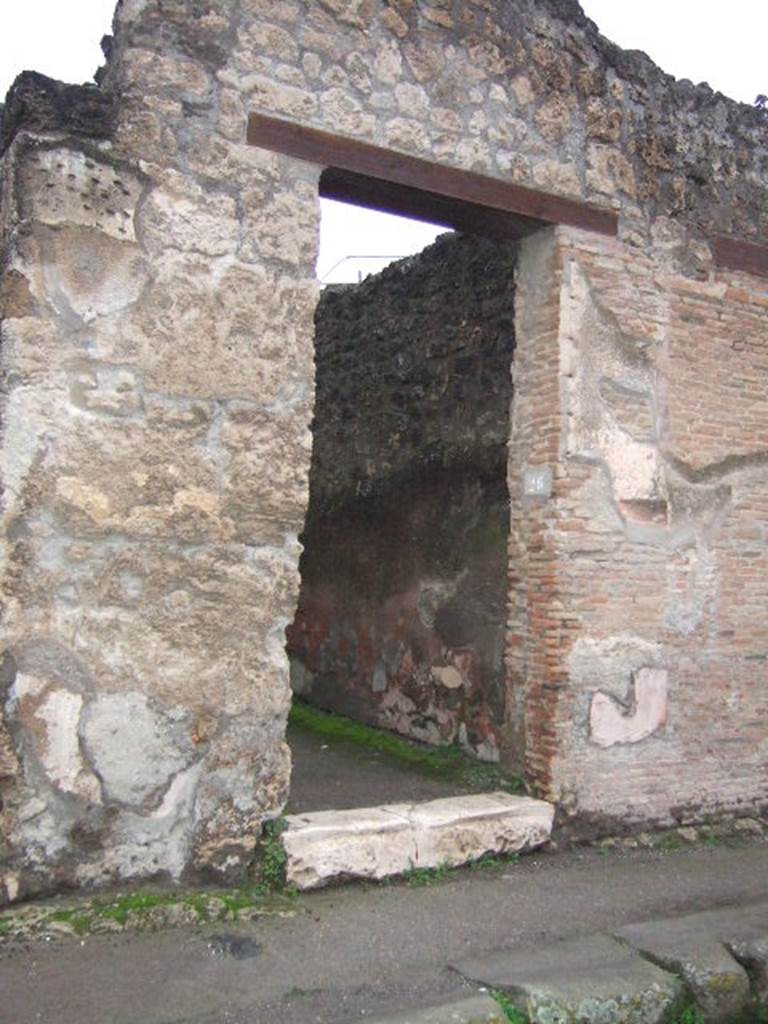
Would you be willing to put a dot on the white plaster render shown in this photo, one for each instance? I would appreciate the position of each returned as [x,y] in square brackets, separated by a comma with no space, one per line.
[140,842]
[610,723]
[378,842]
[594,352]
[60,750]
[132,748]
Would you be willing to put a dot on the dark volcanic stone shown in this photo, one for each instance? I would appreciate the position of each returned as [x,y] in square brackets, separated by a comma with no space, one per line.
[40,104]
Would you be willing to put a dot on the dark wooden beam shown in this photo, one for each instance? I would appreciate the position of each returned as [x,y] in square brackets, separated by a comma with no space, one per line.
[736,255]
[417,204]
[384,165]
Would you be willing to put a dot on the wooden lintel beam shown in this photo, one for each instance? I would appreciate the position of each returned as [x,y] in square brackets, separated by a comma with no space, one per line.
[736,255]
[362,158]
[374,194]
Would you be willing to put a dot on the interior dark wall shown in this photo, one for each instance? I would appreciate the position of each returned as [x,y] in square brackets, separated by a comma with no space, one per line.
[402,611]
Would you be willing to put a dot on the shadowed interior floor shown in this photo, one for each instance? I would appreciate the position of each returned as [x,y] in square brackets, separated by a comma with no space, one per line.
[331,774]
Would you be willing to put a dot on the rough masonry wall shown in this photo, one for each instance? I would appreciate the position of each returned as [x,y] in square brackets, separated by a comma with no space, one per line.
[158,290]
[645,682]
[402,610]
[155,458]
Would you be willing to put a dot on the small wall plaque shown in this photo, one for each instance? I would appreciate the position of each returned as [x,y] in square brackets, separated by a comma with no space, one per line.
[537,483]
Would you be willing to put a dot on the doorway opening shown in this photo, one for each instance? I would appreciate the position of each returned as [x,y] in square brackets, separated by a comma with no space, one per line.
[401,618]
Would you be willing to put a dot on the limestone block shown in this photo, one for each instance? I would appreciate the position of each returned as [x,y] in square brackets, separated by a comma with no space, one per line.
[246,779]
[553,118]
[65,186]
[276,98]
[159,71]
[201,626]
[269,475]
[592,980]
[284,228]
[197,221]
[142,478]
[719,985]
[378,842]
[609,171]
[555,176]
[224,321]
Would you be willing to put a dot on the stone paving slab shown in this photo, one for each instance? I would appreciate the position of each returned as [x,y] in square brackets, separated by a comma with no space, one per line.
[593,979]
[379,842]
[689,947]
[475,1010]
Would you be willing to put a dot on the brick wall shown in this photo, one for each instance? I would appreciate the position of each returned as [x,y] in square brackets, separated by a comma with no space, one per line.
[647,696]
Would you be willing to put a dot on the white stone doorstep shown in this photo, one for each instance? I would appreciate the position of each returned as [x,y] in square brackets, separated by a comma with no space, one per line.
[379,842]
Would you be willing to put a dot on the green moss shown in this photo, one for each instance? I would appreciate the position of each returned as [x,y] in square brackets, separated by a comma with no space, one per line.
[446,762]
[78,920]
[148,909]
[491,862]
[137,903]
[512,1013]
[670,843]
[417,878]
[272,858]
[688,1015]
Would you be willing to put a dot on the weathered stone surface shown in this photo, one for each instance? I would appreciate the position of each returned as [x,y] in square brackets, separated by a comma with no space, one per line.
[59,184]
[594,980]
[475,1010]
[744,932]
[157,357]
[378,842]
[719,985]
[39,104]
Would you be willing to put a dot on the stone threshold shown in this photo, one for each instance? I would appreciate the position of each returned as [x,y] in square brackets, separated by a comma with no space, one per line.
[381,842]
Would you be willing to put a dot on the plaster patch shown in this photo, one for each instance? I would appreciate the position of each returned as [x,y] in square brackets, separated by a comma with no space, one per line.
[25,421]
[60,750]
[134,750]
[448,676]
[609,722]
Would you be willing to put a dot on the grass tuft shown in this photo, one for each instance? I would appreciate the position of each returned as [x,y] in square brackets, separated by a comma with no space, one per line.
[418,878]
[273,857]
[512,1013]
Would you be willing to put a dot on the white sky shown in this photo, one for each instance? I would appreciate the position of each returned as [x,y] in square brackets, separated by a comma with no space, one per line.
[704,40]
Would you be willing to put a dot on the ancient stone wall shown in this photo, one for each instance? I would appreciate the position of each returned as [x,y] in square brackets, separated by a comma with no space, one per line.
[402,611]
[157,359]
[158,290]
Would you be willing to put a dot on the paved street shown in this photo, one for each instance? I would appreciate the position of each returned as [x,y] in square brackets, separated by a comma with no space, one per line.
[360,953]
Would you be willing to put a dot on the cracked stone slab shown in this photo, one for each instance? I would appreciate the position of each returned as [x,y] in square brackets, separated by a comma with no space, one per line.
[475,1010]
[744,932]
[379,842]
[592,980]
[689,947]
